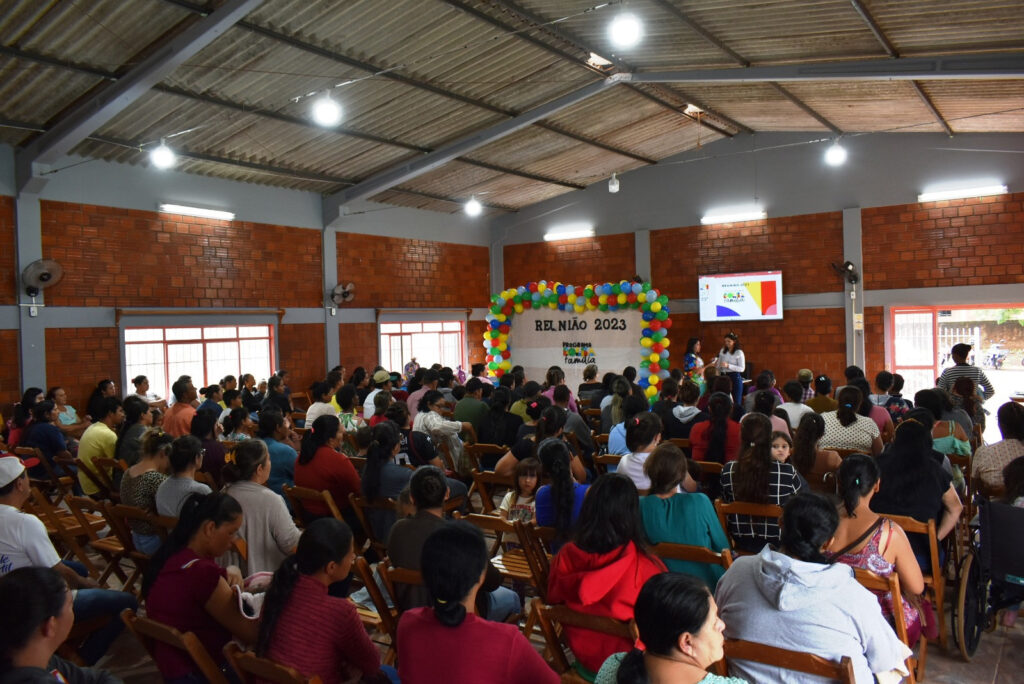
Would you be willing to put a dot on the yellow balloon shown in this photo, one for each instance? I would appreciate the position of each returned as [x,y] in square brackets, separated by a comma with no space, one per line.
[570,298]
[622,298]
[518,308]
[506,364]
[646,341]
[642,297]
[502,317]
[651,391]
[541,286]
[553,305]
[664,342]
[503,347]
[654,358]
[579,308]
[655,306]
[602,299]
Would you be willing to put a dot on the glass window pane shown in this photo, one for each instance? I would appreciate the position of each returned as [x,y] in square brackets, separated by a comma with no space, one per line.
[432,327]
[254,331]
[452,326]
[220,333]
[913,339]
[254,358]
[221,359]
[186,359]
[184,333]
[451,349]
[148,360]
[143,335]
[412,327]
[390,328]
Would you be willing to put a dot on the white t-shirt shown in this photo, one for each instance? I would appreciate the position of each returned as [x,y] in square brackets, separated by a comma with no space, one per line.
[795,412]
[368,407]
[632,466]
[24,542]
[318,409]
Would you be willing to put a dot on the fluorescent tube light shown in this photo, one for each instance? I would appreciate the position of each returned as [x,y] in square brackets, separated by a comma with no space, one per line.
[733,216]
[958,193]
[197,211]
[570,231]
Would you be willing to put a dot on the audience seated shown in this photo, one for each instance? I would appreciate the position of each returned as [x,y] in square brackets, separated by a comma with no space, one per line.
[445,641]
[865,539]
[68,420]
[186,458]
[895,404]
[24,543]
[686,412]
[530,394]
[141,383]
[794,405]
[821,402]
[643,434]
[590,387]
[382,478]
[471,407]
[633,406]
[520,503]
[178,419]
[962,369]
[555,377]
[429,420]
[140,483]
[347,400]
[100,440]
[795,599]
[601,570]
[559,503]
[670,515]
[252,398]
[764,403]
[205,428]
[914,483]
[381,383]
[964,395]
[990,459]
[765,382]
[321,406]
[104,389]
[499,425]
[574,422]
[302,626]
[212,396]
[381,401]
[810,461]
[36,619]
[184,588]
[612,408]
[267,528]
[277,397]
[237,425]
[551,424]
[138,418]
[43,434]
[681,633]
[847,429]
[868,408]
[757,478]
[273,431]
[718,438]
[322,466]
[948,434]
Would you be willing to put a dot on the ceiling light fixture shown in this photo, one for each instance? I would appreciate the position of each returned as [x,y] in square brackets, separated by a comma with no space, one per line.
[326,112]
[961,192]
[570,231]
[736,215]
[473,207]
[596,60]
[197,211]
[613,184]
[162,156]
[625,31]
[835,155]
[693,110]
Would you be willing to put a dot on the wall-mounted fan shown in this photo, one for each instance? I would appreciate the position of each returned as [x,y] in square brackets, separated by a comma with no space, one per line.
[847,271]
[40,275]
[343,294]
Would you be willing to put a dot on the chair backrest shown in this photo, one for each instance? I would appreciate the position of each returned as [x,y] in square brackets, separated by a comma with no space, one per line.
[881,585]
[207,479]
[297,496]
[120,516]
[536,555]
[724,510]
[484,480]
[149,632]
[390,576]
[554,619]
[360,506]
[693,554]
[98,477]
[737,649]
[61,486]
[490,523]
[912,525]
[474,452]
[388,622]
[680,442]
[67,528]
[111,464]
[843,453]
[251,668]
[602,461]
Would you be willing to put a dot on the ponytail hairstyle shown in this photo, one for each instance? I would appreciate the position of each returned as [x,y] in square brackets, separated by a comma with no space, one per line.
[805,446]
[764,402]
[849,399]
[861,383]
[320,390]
[30,596]
[385,437]
[555,457]
[270,420]
[217,507]
[429,397]
[398,413]
[966,389]
[381,401]
[719,410]
[610,516]
[641,430]
[324,541]
[856,478]
[752,470]
[185,452]
[235,419]
[452,562]
[808,521]
[551,422]
[669,605]
[155,442]
[535,407]
[555,376]
[324,429]
[620,390]
[134,409]
[249,456]
[1010,418]
[528,466]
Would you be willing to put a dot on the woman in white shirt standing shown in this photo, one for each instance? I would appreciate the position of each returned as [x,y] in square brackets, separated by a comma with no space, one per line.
[732,362]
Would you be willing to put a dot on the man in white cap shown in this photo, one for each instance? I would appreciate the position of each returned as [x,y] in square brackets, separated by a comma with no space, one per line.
[381,383]
[24,543]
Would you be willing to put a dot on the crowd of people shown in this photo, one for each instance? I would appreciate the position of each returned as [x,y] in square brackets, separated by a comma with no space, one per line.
[838,461]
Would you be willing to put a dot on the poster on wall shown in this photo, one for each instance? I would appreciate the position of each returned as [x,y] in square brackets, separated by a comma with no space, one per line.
[543,338]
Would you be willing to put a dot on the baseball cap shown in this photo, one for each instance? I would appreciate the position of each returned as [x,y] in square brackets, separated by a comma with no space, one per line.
[805,375]
[381,377]
[11,468]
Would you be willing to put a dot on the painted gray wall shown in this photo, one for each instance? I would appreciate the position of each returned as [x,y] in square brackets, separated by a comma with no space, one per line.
[788,178]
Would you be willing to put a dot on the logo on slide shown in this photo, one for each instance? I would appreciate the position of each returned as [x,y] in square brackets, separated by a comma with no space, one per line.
[763,294]
[578,352]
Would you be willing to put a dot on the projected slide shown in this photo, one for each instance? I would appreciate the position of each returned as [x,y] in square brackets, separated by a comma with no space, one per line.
[740,296]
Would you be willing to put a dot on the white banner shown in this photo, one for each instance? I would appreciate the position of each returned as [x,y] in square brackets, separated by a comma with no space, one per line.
[541,338]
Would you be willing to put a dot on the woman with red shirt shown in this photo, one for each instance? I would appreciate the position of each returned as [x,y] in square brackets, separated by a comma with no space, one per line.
[717,439]
[322,466]
[601,571]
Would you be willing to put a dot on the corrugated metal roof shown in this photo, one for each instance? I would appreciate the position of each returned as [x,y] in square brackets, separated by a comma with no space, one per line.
[420,74]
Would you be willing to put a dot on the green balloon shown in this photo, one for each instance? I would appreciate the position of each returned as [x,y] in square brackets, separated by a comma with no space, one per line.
[646,287]
[657,336]
[603,307]
[647,306]
[616,289]
[492,365]
[588,293]
[645,363]
[495,309]
[661,315]
[663,299]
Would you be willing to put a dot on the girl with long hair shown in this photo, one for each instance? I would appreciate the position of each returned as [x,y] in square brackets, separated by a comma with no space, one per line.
[601,571]
[321,465]
[550,425]
[845,428]
[22,416]
[185,457]
[732,363]
[873,411]
[137,419]
[238,425]
[693,364]
[757,478]
[718,438]
[382,477]
[520,503]
[614,412]
[811,462]
[558,503]
[555,377]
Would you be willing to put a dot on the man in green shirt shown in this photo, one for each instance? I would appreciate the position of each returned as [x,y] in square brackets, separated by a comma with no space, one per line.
[471,408]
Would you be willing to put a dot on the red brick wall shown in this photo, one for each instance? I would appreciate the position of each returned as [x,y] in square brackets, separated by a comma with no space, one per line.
[302,353]
[800,246]
[123,257]
[7,262]
[403,273]
[605,258]
[874,341]
[78,358]
[358,342]
[10,385]
[976,241]
[805,338]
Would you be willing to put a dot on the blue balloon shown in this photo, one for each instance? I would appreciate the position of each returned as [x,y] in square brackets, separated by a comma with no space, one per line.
[647,332]
[644,372]
[664,353]
[643,382]
[495,324]
[663,374]
[536,296]
[521,289]
[637,288]
[560,289]
[648,316]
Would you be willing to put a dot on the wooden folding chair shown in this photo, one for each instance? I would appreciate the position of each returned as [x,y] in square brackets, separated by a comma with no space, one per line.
[743,508]
[692,554]
[52,484]
[603,461]
[298,496]
[935,581]
[710,474]
[891,585]
[251,669]
[532,539]
[100,479]
[109,548]
[388,620]
[483,480]
[593,418]
[361,505]
[149,632]
[300,401]
[475,452]
[512,564]
[554,620]
[120,516]
[66,529]
[207,479]
[680,442]
[843,453]
[737,649]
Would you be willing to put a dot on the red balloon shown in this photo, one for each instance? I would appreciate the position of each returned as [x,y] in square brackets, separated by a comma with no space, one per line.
[527,303]
[499,372]
[506,354]
[655,324]
[504,328]
[533,287]
[595,300]
[654,368]
[667,323]
[656,348]
[563,299]
[631,298]
[508,309]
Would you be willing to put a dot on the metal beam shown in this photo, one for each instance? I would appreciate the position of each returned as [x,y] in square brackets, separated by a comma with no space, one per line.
[278,116]
[985,67]
[409,170]
[927,101]
[399,77]
[805,107]
[115,98]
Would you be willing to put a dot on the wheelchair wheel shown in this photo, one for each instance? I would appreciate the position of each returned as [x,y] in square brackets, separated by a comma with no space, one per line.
[970,611]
